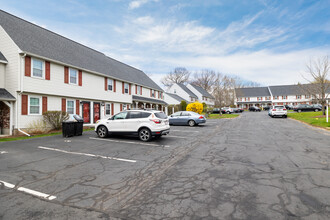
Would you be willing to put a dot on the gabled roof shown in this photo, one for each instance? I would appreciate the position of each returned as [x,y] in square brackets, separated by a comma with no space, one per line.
[187,90]
[202,91]
[252,92]
[176,97]
[6,96]
[302,89]
[3,58]
[36,40]
[140,98]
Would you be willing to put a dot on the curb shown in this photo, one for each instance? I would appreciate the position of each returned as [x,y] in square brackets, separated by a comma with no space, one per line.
[311,126]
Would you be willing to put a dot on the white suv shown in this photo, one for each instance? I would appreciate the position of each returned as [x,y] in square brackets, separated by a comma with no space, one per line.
[278,110]
[144,123]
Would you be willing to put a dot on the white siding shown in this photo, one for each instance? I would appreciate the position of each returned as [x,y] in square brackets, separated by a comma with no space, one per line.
[170,100]
[2,75]
[179,91]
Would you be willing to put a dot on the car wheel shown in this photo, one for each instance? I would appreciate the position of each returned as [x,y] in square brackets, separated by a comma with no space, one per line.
[102,131]
[191,123]
[285,116]
[145,134]
[316,110]
[299,111]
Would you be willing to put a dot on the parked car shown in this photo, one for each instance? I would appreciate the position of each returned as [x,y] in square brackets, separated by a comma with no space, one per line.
[227,110]
[317,106]
[254,109]
[238,110]
[266,108]
[278,110]
[307,108]
[216,111]
[186,118]
[144,123]
[289,107]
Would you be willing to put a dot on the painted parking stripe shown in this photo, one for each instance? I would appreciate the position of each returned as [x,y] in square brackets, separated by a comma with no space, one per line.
[177,136]
[89,155]
[184,131]
[28,191]
[128,142]
[3,152]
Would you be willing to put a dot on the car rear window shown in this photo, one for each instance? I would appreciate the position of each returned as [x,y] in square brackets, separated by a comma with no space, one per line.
[145,114]
[161,115]
[279,107]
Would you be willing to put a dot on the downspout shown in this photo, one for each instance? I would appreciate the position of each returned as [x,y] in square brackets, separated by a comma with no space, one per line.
[20,92]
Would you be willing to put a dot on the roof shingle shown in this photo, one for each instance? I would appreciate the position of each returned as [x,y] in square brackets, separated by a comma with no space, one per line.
[34,39]
[187,90]
[202,91]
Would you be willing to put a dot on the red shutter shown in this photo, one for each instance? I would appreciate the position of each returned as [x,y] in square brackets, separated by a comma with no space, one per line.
[24,104]
[44,104]
[123,89]
[141,90]
[27,66]
[112,113]
[150,93]
[136,89]
[66,74]
[130,90]
[77,107]
[80,78]
[47,70]
[158,94]
[63,105]
[114,85]
[105,83]
[121,107]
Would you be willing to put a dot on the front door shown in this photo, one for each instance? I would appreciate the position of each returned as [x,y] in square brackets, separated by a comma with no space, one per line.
[96,112]
[86,112]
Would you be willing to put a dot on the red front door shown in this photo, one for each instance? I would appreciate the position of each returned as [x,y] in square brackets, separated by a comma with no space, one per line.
[86,112]
[96,112]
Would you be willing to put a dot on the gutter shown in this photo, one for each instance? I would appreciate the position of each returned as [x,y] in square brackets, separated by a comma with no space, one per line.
[24,132]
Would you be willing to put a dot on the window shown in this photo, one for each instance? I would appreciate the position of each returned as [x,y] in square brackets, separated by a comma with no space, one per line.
[276,97]
[174,90]
[138,90]
[70,107]
[34,105]
[126,88]
[284,97]
[259,98]
[176,114]
[121,115]
[107,109]
[110,84]
[298,96]
[37,68]
[185,114]
[192,99]
[132,115]
[73,76]
[307,96]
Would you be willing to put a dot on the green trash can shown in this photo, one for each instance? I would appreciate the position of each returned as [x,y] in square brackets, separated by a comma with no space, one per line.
[68,128]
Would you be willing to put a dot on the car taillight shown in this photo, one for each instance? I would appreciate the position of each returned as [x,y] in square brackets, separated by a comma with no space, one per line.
[201,117]
[156,121]
[274,109]
[284,109]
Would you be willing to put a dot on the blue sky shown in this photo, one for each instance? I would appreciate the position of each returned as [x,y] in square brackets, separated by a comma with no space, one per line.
[266,41]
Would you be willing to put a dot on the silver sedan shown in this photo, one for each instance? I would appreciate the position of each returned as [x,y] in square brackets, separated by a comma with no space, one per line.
[186,118]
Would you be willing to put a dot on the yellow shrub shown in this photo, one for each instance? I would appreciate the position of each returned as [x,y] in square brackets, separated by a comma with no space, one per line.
[195,107]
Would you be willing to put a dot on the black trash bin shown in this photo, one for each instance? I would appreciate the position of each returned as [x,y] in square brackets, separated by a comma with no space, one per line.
[68,128]
[78,125]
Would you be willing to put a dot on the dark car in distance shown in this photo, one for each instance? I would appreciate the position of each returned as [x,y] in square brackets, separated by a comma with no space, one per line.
[254,109]
[289,107]
[267,107]
[307,108]
[216,111]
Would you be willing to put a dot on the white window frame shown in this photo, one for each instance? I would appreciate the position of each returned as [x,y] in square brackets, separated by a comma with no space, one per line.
[153,93]
[43,69]
[40,105]
[106,108]
[112,83]
[138,88]
[74,106]
[126,84]
[76,76]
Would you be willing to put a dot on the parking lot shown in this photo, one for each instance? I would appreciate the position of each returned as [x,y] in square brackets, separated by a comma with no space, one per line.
[251,167]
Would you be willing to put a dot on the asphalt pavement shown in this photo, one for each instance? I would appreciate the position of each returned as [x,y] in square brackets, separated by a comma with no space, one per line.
[251,167]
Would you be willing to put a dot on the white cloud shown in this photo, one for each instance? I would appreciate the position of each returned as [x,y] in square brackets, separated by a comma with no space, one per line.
[146,20]
[139,3]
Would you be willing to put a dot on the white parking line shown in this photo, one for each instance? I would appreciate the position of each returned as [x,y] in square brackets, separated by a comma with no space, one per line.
[177,136]
[184,131]
[89,155]
[28,191]
[128,142]
[3,152]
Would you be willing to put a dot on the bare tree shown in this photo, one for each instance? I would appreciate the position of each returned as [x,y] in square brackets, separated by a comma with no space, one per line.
[224,90]
[179,75]
[318,70]
[205,79]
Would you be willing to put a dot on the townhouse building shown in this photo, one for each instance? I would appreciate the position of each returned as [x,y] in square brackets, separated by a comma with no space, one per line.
[274,95]
[42,71]
[189,93]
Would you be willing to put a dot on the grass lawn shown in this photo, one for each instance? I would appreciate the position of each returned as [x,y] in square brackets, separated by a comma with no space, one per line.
[36,136]
[312,118]
[218,116]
